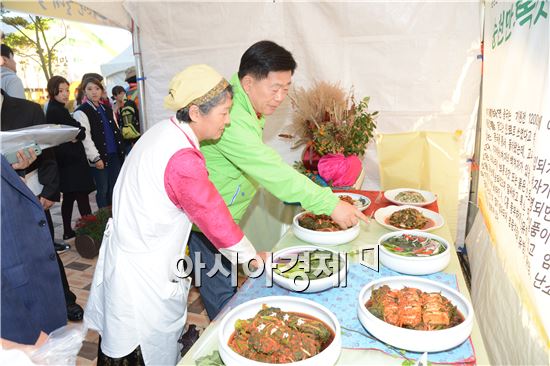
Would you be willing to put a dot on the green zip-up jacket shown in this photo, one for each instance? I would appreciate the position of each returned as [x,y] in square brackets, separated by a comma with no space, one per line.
[239,162]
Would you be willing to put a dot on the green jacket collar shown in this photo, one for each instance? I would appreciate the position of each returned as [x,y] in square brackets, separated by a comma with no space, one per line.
[241,98]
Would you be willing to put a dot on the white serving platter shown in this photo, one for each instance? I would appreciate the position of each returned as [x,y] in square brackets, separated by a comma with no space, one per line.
[382,216]
[391,194]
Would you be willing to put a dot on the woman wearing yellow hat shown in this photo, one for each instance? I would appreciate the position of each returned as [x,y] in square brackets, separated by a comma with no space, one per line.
[137,303]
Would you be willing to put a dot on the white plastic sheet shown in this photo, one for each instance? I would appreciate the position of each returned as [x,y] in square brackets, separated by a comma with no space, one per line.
[46,136]
[505,325]
[514,154]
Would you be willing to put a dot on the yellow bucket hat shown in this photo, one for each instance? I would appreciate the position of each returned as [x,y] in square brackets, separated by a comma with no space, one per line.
[197,84]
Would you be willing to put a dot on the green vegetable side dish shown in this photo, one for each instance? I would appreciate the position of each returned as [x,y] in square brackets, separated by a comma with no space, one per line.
[313,265]
[410,197]
[413,246]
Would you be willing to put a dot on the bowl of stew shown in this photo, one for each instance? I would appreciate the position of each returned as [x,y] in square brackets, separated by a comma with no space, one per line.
[279,329]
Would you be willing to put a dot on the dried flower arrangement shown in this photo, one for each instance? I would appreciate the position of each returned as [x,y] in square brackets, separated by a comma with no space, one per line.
[330,120]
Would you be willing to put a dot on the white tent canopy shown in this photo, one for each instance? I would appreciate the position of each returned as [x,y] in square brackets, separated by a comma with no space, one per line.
[114,70]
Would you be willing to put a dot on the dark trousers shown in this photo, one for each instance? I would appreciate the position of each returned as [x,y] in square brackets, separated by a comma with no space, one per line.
[133,359]
[67,204]
[70,297]
[127,146]
[105,180]
[217,289]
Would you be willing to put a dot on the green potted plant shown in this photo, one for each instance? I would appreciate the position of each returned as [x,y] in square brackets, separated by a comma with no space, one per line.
[89,232]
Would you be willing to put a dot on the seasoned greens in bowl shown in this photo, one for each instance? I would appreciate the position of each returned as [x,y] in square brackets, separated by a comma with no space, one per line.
[318,222]
[313,265]
[409,245]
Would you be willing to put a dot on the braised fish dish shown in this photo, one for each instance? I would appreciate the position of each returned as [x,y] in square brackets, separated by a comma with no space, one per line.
[318,222]
[409,245]
[413,309]
[347,199]
[275,336]
[359,203]
[410,197]
[409,218]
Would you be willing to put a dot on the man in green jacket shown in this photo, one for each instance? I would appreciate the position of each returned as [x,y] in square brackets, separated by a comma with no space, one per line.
[239,161]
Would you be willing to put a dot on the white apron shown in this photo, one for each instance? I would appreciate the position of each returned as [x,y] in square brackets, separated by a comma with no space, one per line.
[135,298]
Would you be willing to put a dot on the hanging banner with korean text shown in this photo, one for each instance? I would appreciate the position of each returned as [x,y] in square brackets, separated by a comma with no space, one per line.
[514,188]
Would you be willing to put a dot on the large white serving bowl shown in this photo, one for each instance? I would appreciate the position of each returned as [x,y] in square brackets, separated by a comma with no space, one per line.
[416,340]
[392,193]
[324,237]
[306,286]
[385,212]
[414,265]
[328,356]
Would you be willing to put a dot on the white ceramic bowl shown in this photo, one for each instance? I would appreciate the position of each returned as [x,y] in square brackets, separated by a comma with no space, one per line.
[392,193]
[324,237]
[358,198]
[385,212]
[328,356]
[416,340]
[414,265]
[306,286]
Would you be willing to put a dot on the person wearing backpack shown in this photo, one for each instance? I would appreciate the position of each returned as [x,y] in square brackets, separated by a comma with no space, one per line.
[126,115]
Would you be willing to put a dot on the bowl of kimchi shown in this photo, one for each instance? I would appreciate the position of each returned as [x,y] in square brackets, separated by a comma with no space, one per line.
[415,314]
[414,252]
[308,268]
[322,230]
[279,329]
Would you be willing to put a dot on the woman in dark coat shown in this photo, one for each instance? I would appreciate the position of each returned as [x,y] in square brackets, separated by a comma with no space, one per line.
[103,141]
[76,180]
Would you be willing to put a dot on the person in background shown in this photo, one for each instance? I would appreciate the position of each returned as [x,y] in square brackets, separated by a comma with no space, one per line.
[81,95]
[103,140]
[76,180]
[11,83]
[137,303]
[240,161]
[32,304]
[132,92]
[119,98]
[127,118]
[42,178]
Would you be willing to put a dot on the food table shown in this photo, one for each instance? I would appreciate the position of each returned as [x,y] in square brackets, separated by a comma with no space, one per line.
[361,350]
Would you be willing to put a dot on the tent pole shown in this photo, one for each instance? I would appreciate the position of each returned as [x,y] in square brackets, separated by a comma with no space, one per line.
[140,78]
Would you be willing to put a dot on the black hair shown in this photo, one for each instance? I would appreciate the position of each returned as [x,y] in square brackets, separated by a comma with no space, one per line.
[263,57]
[53,85]
[6,51]
[92,75]
[183,113]
[92,80]
[117,90]
[80,90]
